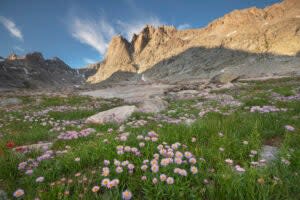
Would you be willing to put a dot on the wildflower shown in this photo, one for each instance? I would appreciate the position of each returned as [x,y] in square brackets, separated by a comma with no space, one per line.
[163,177]
[261,181]
[115,182]
[18,193]
[155,168]
[130,166]
[120,152]
[183,172]
[119,169]
[178,154]
[178,161]
[253,152]
[245,142]
[194,139]
[105,171]
[117,163]
[221,149]
[154,162]
[29,172]
[154,180]
[125,163]
[127,149]
[192,161]
[105,182]
[126,195]
[145,161]
[229,161]
[220,134]
[239,169]
[156,156]
[106,162]
[120,148]
[110,185]
[188,155]
[164,162]
[123,138]
[140,137]
[10,144]
[77,159]
[170,180]
[39,179]
[77,174]
[67,192]
[95,189]
[194,170]
[144,178]
[141,144]
[176,170]
[289,128]
[285,161]
[144,167]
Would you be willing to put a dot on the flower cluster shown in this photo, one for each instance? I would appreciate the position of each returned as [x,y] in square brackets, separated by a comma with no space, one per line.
[266,109]
[70,135]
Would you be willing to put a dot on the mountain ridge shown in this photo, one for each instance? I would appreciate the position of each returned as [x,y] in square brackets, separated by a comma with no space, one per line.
[274,30]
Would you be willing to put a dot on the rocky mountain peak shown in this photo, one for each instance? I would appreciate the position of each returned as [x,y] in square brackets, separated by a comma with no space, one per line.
[119,51]
[272,30]
[36,57]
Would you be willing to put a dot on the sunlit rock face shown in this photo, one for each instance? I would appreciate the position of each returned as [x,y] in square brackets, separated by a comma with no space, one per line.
[274,30]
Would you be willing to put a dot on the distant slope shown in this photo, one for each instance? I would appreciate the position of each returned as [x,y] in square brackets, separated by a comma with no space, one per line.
[252,37]
[33,71]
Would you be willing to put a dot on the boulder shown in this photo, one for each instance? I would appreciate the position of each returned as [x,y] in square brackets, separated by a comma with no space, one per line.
[152,105]
[116,115]
[269,153]
[10,101]
[224,78]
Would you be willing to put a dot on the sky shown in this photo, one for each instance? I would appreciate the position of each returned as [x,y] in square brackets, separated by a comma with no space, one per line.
[79,32]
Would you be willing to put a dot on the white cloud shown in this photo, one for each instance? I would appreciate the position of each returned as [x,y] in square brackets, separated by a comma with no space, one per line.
[183,26]
[11,27]
[90,61]
[96,34]
[129,28]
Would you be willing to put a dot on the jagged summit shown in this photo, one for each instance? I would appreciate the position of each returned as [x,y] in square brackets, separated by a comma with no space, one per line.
[274,30]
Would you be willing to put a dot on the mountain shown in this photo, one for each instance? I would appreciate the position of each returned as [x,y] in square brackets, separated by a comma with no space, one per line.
[251,42]
[33,71]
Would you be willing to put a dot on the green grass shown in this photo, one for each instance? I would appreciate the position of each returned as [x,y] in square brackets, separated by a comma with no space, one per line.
[214,180]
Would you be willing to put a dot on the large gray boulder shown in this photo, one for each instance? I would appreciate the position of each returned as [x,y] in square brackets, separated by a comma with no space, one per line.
[152,105]
[116,115]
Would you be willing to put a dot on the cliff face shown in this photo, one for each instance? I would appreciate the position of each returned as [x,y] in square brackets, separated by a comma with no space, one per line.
[274,30]
[33,71]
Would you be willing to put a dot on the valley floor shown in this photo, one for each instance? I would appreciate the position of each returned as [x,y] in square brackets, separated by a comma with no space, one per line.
[237,143]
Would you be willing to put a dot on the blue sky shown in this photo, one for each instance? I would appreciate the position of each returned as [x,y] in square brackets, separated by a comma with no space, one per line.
[79,31]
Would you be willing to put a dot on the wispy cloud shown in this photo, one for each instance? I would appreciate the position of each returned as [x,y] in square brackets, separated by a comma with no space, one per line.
[11,27]
[89,61]
[129,28]
[183,26]
[20,49]
[96,34]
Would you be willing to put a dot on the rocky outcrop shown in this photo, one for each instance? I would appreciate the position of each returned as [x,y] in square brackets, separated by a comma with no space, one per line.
[249,37]
[33,71]
[154,105]
[116,115]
